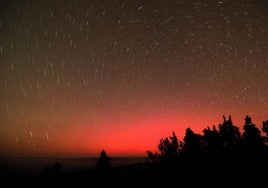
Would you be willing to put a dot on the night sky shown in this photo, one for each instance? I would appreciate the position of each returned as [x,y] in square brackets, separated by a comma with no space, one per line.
[77,77]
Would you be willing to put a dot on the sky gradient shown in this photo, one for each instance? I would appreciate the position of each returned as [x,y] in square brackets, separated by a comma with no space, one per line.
[77,77]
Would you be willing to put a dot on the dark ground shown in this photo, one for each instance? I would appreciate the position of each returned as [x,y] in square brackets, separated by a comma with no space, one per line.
[186,174]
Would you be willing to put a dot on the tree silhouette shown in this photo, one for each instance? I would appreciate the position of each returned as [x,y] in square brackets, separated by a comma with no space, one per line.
[225,143]
[192,147]
[253,143]
[265,130]
[230,136]
[213,143]
[53,170]
[169,150]
[56,168]
[103,161]
[265,127]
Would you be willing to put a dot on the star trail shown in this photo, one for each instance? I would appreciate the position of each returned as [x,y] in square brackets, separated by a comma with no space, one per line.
[80,76]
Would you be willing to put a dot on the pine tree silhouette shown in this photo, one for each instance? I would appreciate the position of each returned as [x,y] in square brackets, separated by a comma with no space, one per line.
[253,142]
[103,161]
[192,147]
[169,150]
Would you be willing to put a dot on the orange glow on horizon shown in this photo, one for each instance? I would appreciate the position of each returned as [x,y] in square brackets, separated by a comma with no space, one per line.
[132,140]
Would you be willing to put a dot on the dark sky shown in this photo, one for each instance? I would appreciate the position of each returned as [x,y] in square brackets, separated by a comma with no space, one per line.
[80,76]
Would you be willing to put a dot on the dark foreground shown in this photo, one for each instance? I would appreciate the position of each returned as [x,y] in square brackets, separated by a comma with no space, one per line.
[182,174]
